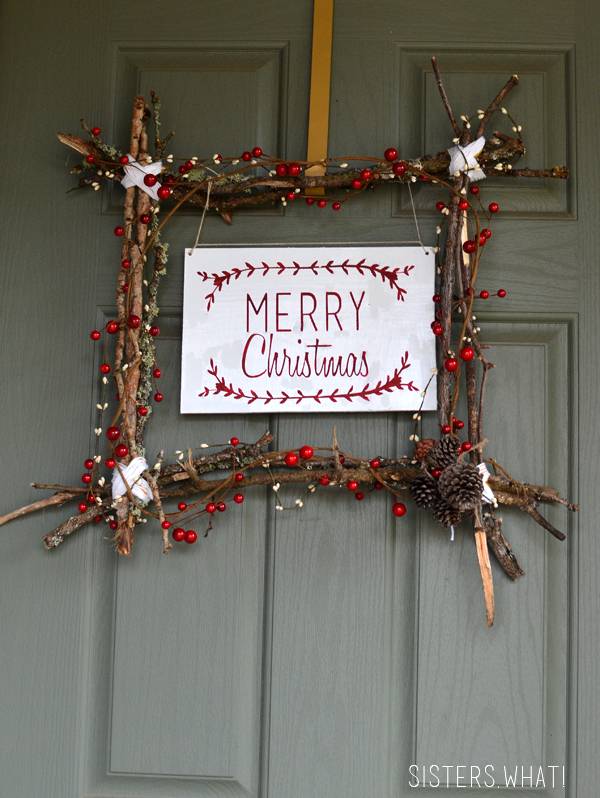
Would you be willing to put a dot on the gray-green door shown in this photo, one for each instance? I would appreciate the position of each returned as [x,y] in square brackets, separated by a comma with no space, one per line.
[314,654]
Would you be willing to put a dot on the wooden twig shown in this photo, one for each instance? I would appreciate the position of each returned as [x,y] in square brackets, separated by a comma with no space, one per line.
[444,96]
[496,102]
[532,510]
[56,500]
[501,547]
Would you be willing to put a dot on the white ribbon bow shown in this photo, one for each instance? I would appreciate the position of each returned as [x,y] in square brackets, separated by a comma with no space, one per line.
[464,159]
[136,172]
[487,494]
[132,479]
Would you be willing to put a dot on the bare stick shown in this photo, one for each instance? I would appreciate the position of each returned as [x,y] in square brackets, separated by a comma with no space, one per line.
[501,547]
[444,96]
[52,501]
[531,510]
[495,104]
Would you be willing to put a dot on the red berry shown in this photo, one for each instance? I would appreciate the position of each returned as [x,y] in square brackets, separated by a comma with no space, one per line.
[469,246]
[493,207]
[482,240]
[306,452]
[257,152]
[324,480]
[352,484]
[178,534]
[90,158]
[399,168]
[246,156]
[191,536]
[390,154]
[342,459]
[466,446]
[238,498]
[133,321]
[97,519]
[501,293]
[89,464]
[150,180]
[281,169]
[463,204]
[142,410]
[378,486]
[121,450]
[440,206]
[375,462]
[451,364]
[125,288]
[110,462]
[166,524]
[154,331]
[321,203]
[366,174]
[359,495]
[158,396]
[156,373]
[291,459]
[356,184]
[309,200]
[211,507]
[484,294]
[113,524]
[95,131]
[112,327]
[467,353]
[221,507]
[83,507]
[437,328]
[164,192]
[436,298]
[239,477]
[436,473]
[474,189]
[86,478]
[457,423]
[486,232]
[446,429]
[294,169]
[182,169]
[104,368]
[234,441]
[145,218]
[335,206]
[125,263]
[291,195]
[95,335]
[124,159]
[399,509]
[119,230]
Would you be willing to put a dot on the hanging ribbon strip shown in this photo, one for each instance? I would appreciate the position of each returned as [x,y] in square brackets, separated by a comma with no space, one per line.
[487,494]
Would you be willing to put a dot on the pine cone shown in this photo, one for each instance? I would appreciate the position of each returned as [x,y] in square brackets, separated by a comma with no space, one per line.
[424,491]
[461,486]
[422,448]
[444,513]
[444,453]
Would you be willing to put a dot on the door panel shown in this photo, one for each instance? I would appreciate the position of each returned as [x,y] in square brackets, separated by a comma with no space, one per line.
[315,652]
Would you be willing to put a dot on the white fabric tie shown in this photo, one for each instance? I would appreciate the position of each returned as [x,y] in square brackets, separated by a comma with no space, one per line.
[136,172]
[487,494]
[132,478]
[464,159]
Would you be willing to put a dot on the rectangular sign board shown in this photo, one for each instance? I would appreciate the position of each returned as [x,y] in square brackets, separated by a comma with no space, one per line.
[307,329]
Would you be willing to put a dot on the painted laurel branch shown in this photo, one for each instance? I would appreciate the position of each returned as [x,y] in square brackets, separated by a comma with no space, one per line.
[389,275]
[391,383]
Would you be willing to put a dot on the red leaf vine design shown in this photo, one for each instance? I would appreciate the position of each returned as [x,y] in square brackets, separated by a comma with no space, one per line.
[388,275]
[391,383]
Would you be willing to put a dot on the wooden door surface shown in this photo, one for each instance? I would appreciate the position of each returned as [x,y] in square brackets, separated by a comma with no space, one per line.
[315,654]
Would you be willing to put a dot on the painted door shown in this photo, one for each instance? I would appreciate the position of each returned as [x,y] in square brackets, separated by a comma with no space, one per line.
[315,654]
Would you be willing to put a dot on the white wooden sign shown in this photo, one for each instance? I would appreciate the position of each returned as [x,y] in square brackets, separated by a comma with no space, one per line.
[307,329]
